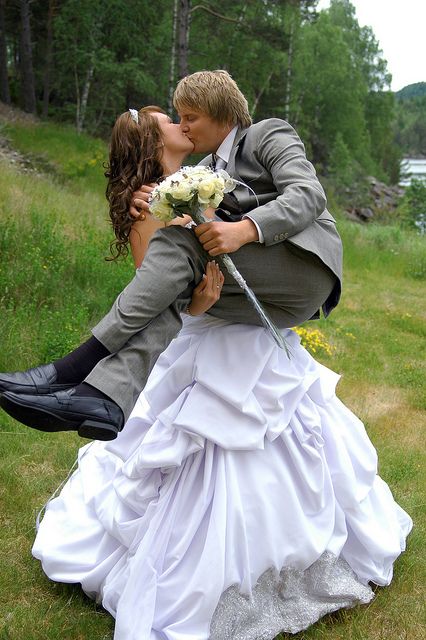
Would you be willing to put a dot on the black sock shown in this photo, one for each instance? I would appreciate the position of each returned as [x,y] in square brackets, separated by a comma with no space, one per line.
[85,389]
[75,366]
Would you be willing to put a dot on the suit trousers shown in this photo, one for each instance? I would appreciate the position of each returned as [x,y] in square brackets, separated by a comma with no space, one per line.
[291,284]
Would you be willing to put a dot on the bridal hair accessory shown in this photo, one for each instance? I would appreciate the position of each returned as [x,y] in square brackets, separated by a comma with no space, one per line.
[135,115]
[192,190]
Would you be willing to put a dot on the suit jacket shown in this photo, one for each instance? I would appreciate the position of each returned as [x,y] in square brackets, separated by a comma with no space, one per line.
[270,158]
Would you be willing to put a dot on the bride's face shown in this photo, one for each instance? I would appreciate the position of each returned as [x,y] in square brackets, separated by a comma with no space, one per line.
[174,140]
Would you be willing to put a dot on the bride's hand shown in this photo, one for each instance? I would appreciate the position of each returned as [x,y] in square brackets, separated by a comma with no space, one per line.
[180,221]
[139,208]
[207,292]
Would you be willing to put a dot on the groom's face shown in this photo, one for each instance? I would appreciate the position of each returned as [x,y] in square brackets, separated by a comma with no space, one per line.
[205,133]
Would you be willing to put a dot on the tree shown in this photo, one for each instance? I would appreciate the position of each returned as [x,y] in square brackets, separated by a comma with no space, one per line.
[26,58]
[108,58]
[4,76]
[363,45]
[380,114]
[52,8]
[246,38]
[172,72]
[329,91]
[410,125]
[184,17]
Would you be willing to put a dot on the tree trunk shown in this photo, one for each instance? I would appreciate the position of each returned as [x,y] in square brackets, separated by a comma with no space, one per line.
[4,79]
[77,97]
[260,94]
[172,73]
[26,59]
[183,37]
[99,117]
[82,106]
[49,57]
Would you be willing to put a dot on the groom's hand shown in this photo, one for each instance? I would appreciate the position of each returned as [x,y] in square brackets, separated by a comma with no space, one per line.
[140,202]
[226,237]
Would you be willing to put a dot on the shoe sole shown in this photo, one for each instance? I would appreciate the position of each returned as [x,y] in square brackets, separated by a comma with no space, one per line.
[97,430]
[45,420]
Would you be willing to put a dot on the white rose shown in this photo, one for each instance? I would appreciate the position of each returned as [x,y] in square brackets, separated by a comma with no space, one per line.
[160,190]
[161,210]
[208,188]
[216,200]
[198,172]
[182,190]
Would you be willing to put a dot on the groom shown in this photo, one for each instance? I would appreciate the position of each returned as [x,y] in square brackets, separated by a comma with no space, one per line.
[283,241]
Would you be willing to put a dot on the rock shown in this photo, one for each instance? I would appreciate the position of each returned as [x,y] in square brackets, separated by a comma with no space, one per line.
[352,215]
[382,200]
[365,213]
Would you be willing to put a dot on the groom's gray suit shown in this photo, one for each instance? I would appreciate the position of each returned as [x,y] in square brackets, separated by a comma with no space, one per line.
[294,272]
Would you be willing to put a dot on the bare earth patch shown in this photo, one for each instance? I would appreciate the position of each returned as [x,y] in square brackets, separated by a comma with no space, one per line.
[8,114]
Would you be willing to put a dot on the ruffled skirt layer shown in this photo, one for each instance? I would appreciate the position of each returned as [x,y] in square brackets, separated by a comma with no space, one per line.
[241,499]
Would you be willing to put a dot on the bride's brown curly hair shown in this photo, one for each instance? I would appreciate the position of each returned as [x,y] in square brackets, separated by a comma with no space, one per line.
[134,160]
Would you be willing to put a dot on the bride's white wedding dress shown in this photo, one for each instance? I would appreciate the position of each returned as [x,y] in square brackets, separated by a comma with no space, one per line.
[241,499]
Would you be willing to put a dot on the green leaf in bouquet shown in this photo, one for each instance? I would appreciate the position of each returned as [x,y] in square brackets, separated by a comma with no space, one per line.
[180,210]
[173,200]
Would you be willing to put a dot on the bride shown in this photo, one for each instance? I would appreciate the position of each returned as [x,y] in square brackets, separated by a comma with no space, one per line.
[241,499]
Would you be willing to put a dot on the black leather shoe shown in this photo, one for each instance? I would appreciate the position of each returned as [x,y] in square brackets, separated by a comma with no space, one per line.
[93,418]
[40,380]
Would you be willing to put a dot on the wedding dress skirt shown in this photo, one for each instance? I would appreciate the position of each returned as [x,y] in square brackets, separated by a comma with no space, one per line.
[241,499]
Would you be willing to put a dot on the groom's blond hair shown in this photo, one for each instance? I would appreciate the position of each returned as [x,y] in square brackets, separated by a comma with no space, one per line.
[214,93]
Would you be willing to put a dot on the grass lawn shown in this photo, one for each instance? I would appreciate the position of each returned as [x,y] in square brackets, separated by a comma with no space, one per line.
[55,283]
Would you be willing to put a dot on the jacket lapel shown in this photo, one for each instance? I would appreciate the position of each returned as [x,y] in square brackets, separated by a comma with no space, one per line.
[230,167]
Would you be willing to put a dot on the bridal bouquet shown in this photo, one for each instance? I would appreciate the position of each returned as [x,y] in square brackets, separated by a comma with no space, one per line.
[189,190]
[192,190]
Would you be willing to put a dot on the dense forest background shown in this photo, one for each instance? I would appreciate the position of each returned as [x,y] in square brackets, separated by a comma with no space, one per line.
[86,62]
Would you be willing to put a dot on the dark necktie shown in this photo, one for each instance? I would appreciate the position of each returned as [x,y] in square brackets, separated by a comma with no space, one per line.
[229,210]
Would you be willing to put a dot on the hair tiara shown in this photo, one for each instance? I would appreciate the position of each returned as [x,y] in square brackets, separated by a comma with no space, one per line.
[135,115]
